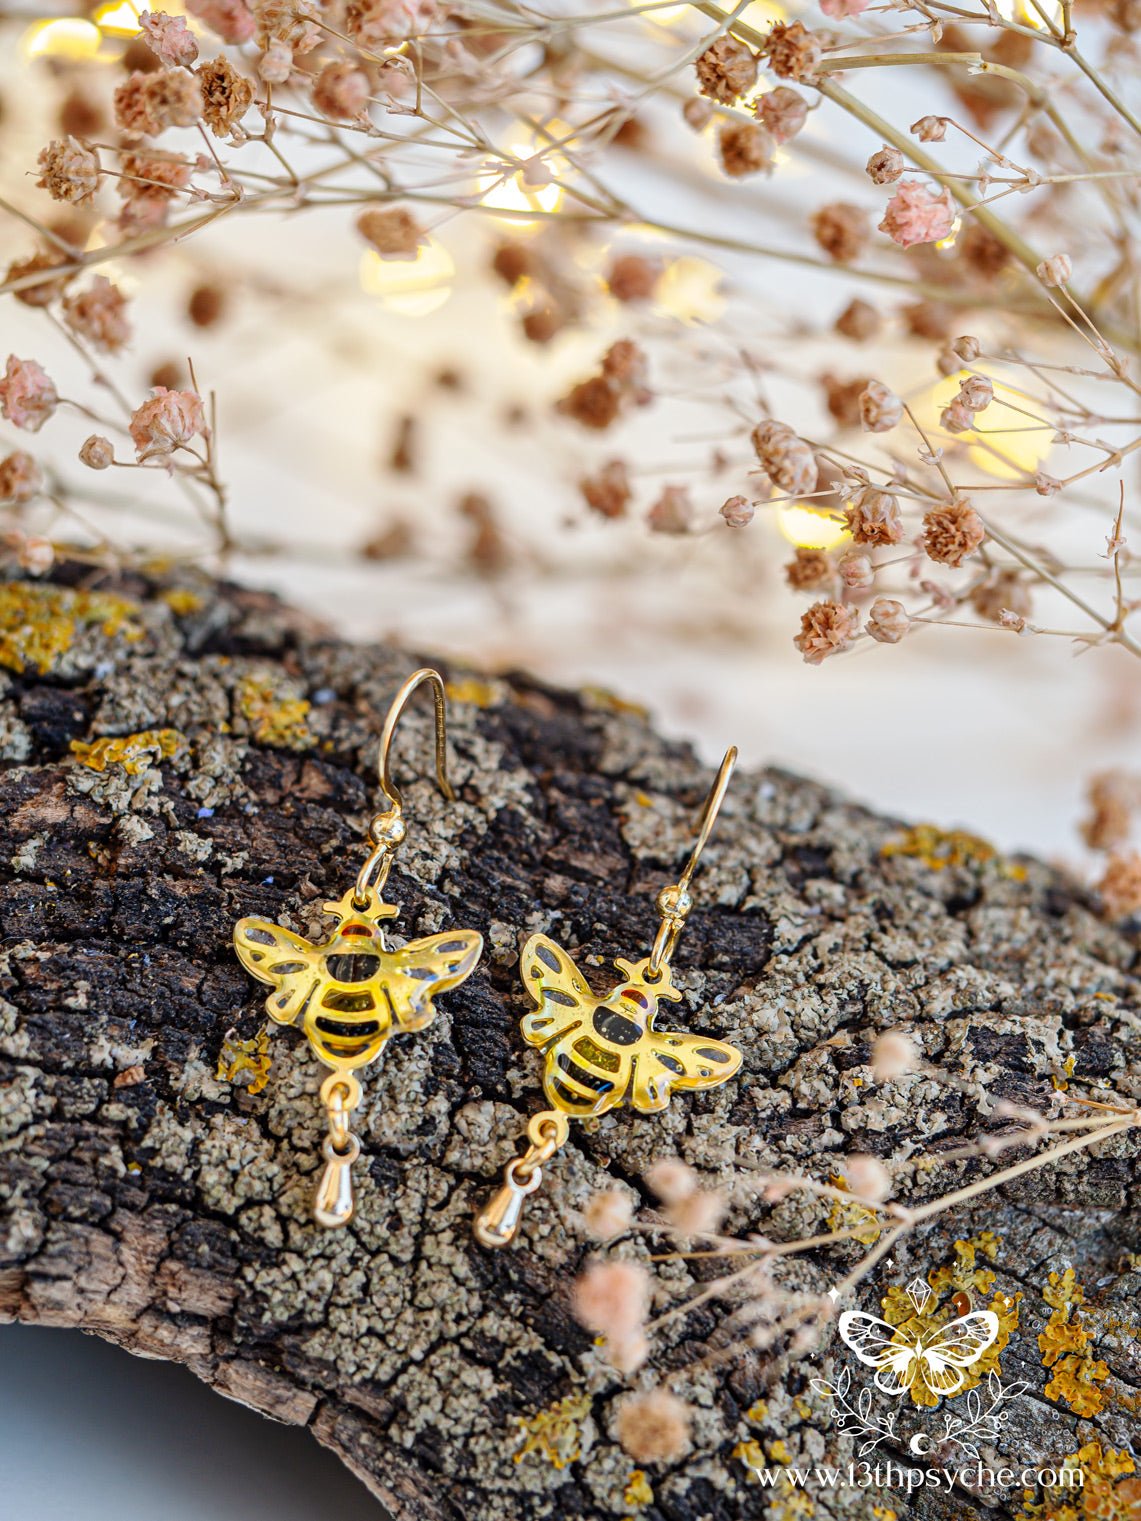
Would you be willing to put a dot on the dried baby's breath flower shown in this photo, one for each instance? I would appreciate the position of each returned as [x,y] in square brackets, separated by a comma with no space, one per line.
[783,112]
[885,166]
[859,321]
[44,291]
[793,51]
[1004,591]
[952,532]
[599,401]
[231,20]
[1113,798]
[873,517]
[983,253]
[147,104]
[880,408]
[99,314]
[275,65]
[34,555]
[168,38]
[226,95]
[956,417]
[167,420]
[97,452]
[700,1214]
[930,129]
[608,1214]
[698,113]
[786,459]
[20,477]
[867,1177]
[857,572]
[672,1180]
[893,1054]
[27,396]
[745,147]
[392,230]
[607,492]
[727,69]
[1046,485]
[612,1298]
[375,24]
[976,393]
[737,511]
[341,90]
[888,620]
[915,214]
[672,512]
[809,570]
[840,10]
[826,629]
[928,319]
[1120,886]
[842,230]
[290,23]
[69,171]
[653,1427]
[843,398]
[1056,270]
[967,348]
[632,277]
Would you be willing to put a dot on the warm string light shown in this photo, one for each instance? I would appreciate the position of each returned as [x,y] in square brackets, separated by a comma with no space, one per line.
[410,287]
[1007,444]
[501,190]
[810,527]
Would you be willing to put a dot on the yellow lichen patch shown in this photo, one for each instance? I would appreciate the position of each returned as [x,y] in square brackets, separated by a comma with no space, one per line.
[274,720]
[1065,1344]
[853,1217]
[38,623]
[779,1453]
[757,1411]
[181,600]
[1068,1066]
[884,1513]
[238,1057]
[802,1407]
[610,702]
[481,694]
[638,1493]
[962,1275]
[939,848]
[751,1453]
[134,752]
[555,1433]
[1088,1489]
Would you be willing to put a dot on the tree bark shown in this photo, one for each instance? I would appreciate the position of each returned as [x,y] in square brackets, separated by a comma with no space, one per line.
[166,1208]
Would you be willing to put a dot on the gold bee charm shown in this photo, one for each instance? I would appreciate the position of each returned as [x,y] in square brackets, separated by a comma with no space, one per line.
[601,1053]
[350,993]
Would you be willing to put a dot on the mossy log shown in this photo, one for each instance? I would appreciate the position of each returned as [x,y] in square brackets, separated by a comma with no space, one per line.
[176,756]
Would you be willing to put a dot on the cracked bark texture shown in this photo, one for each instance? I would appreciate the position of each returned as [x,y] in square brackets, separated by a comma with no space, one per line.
[165,1209]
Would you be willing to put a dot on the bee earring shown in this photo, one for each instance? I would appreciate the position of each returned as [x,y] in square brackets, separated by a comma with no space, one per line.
[350,994]
[600,1053]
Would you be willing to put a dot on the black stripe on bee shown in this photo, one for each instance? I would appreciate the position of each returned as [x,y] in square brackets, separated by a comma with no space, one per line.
[712,1054]
[614,1026]
[670,1063]
[261,937]
[580,1075]
[286,968]
[352,966]
[547,957]
[552,995]
[357,1030]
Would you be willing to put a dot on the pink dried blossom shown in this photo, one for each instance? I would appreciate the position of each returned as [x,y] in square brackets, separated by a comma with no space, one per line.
[841,229]
[97,452]
[653,1427]
[727,69]
[867,1177]
[700,1214]
[608,1214]
[276,64]
[612,1299]
[893,1054]
[20,477]
[376,24]
[27,396]
[956,417]
[786,459]
[672,1180]
[885,166]
[168,38]
[165,422]
[341,90]
[916,215]
[930,129]
[672,512]
[99,314]
[967,348]
[976,393]
[232,20]
[840,10]
[35,555]
[888,620]
[1056,270]
[1120,887]
[794,52]
[737,511]
[857,572]
[745,147]
[826,629]
[873,517]
[952,532]
[880,408]
[69,171]
[783,112]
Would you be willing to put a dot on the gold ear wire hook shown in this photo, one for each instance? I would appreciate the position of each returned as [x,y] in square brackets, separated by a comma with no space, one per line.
[674,902]
[387,830]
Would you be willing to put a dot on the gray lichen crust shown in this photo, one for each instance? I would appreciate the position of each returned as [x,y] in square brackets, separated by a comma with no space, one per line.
[167,1208]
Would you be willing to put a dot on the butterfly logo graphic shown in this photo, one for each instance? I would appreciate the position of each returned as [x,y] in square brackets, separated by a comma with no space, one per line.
[937,1359]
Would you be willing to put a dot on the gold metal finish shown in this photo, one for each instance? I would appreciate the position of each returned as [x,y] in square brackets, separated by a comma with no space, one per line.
[601,1053]
[350,993]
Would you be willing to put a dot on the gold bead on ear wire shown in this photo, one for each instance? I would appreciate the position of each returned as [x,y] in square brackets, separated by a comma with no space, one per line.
[599,1053]
[350,993]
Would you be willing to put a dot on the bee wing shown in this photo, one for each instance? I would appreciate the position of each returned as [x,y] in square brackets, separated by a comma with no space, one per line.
[955,1347]
[558,990]
[412,976]
[667,1059]
[873,1342]
[281,958]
